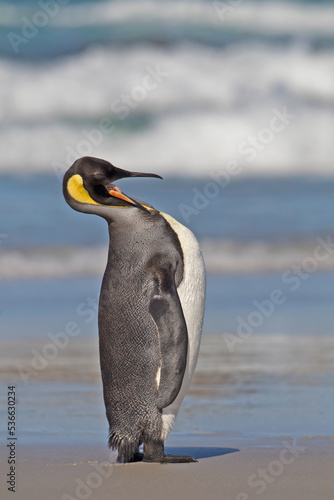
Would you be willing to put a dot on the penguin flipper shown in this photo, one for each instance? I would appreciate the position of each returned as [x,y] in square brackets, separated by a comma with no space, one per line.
[166,311]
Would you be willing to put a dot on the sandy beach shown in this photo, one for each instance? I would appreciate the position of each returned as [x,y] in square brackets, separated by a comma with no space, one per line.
[244,473]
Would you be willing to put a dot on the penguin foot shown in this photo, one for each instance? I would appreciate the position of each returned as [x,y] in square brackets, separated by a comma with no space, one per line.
[138,457]
[154,453]
[178,459]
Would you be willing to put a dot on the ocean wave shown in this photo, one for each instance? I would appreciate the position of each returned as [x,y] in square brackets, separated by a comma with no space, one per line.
[266,17]
[207,103]
[77,26]
[221,257]
[52,262]
[258,257]
[266,355]
[201,143]
[192,78]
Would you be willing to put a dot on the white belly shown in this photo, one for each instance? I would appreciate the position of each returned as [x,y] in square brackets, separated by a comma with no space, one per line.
[192,296]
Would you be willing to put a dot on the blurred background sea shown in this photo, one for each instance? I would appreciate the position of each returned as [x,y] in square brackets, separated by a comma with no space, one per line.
[184,89]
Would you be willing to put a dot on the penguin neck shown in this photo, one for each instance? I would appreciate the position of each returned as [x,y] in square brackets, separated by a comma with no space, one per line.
[129,234]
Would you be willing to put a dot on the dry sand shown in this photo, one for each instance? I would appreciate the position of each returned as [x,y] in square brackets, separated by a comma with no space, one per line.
[231,473]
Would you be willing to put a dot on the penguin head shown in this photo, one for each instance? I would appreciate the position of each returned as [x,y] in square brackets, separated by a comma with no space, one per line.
[88,186]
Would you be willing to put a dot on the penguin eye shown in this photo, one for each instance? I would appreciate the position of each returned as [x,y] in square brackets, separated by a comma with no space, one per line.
[98,177]
[100,190]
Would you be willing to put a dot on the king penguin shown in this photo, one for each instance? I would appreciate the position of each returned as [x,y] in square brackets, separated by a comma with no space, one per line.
[150,310]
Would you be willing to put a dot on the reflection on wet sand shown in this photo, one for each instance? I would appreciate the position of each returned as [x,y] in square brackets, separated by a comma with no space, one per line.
[270,385]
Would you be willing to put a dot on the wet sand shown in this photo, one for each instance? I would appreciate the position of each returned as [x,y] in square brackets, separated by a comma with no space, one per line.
[259,421]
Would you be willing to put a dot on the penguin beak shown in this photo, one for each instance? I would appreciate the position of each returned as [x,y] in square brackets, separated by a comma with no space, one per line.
[117,193]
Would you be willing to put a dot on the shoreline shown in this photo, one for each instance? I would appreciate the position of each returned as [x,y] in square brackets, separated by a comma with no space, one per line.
[271,386]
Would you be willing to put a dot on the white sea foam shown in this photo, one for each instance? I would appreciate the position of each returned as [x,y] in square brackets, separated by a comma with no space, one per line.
[52,262]
[192,145]
[220,257]
[210,102]
[196,78]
